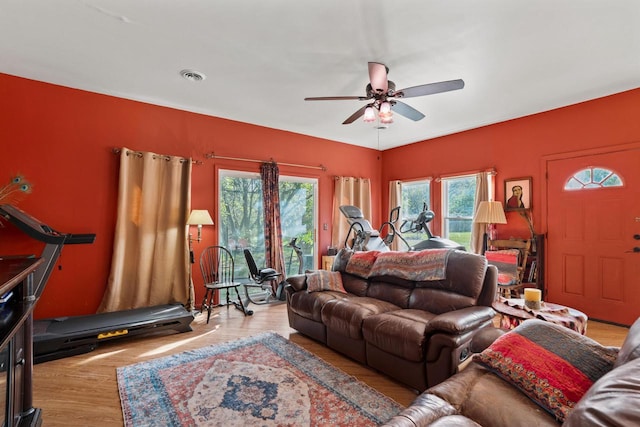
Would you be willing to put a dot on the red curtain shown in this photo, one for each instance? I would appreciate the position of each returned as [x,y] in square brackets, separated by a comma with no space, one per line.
[274,254]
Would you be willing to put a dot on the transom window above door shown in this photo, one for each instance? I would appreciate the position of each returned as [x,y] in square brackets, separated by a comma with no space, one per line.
[593,177]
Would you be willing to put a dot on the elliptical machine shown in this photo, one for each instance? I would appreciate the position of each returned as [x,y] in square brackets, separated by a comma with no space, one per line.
[365,237]
[298,251]
[420,225]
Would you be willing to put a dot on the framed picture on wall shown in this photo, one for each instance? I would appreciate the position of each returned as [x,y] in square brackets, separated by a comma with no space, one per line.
[517,194]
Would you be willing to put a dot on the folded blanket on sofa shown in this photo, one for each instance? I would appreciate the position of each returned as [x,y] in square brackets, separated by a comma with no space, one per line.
[429,264]
[361,263]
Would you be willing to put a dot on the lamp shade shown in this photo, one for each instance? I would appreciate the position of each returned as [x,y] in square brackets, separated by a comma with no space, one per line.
[490,213]
[200,217]
[369,114]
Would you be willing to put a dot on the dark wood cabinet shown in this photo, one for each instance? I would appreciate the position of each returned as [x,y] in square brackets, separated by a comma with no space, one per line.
[534,274]
[17,301]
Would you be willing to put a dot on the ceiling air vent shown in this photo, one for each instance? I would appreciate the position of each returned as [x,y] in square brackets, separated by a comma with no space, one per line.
[193,76]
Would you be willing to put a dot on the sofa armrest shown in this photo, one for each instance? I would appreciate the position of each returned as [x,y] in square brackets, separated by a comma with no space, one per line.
[461,321]
[485,337]
[426,409]
[297,282]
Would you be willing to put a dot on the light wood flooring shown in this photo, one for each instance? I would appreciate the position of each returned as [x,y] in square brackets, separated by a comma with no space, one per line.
[82,390]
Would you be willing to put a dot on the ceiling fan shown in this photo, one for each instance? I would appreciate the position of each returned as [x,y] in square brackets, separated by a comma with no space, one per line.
[383,95]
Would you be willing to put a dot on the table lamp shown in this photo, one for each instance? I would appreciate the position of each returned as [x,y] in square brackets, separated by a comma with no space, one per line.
[489,213]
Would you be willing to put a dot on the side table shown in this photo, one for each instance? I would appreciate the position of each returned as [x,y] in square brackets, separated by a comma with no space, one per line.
[327,261]
[513,312]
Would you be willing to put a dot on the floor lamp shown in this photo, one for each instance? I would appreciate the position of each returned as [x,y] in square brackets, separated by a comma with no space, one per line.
[197,217]
[489,213]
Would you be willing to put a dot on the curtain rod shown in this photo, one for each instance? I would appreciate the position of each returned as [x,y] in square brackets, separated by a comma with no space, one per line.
[490,171]
[215,156]
[156,156]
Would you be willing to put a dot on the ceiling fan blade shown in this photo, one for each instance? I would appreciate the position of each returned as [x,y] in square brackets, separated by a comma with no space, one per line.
[336,98]
[378,77]
[430,89]
[406,110]
[352,118]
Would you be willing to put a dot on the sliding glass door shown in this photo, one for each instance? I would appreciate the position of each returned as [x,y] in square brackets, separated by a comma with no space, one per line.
[241,224]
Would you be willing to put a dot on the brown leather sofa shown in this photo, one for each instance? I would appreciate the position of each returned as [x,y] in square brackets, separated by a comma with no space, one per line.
[399,320]
[479,396]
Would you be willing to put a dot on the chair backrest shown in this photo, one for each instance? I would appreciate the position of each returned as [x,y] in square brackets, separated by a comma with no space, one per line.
[523,246]
[251,263]
[216,265]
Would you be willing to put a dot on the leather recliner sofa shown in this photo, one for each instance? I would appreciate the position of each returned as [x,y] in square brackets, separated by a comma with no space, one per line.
[481,395]
[410,315]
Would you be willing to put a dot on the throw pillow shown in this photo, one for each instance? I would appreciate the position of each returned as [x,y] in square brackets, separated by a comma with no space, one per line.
[342,259]
[324,280]
[553,365]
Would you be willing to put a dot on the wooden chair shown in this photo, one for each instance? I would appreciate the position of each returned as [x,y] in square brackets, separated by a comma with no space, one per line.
[499,251]
[216,265]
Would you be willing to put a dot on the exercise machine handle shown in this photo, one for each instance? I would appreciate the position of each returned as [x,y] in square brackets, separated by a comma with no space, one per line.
[75,239]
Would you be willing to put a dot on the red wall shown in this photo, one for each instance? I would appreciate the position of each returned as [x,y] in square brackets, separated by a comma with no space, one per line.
[515,149]
[61,140]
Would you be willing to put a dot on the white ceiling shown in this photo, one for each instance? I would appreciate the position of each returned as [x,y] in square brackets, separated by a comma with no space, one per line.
[261,58]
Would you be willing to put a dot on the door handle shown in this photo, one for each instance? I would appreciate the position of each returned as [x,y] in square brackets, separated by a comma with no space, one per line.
[636,236]
[636,249]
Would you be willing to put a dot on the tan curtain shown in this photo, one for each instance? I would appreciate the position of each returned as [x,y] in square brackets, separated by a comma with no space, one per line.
[150,258]
[395,199]
[348,191]
[478,229]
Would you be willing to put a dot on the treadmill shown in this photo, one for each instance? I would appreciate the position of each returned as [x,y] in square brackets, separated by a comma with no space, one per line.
[67,336]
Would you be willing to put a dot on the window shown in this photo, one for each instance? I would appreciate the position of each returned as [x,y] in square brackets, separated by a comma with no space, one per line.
[593,177]
[458,201]
[415,195]
[241,223]
[298,216]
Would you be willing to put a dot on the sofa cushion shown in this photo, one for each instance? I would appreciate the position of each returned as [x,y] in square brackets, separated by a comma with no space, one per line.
[400,332]
[345,316]
[614,400]
[551,364]
[323,280]
[309,304]
[355,285]
[461,288]
[397,294]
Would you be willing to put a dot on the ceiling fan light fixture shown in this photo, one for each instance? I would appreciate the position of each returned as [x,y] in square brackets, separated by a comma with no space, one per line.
[381,94]
[386,118]
[369,115]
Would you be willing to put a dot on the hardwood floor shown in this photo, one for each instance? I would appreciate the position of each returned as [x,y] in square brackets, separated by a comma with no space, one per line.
[82,390]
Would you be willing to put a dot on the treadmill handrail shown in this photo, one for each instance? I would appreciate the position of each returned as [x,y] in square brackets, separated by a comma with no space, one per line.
[40,231]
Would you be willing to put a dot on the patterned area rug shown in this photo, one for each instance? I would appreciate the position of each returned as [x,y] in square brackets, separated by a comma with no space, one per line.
[264,380]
